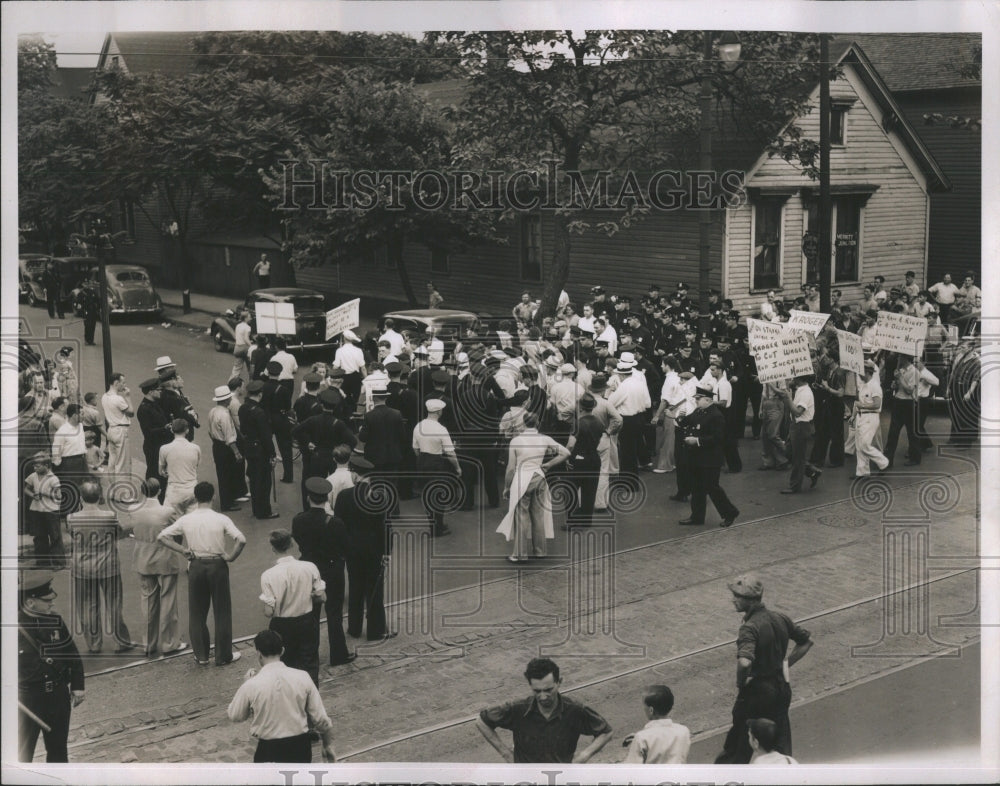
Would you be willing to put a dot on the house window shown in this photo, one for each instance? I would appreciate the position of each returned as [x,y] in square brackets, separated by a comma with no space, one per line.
[439,260]
[766,272]
[845,219]
[531,248]
[126,216]
[838,125]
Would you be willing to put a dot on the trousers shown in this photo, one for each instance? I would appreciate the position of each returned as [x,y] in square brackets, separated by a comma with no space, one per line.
[52,707]
[159,610]
[300,636]
[208,586]
[227,470]
[761,697]
[91,594]
[705,484]
[286,750]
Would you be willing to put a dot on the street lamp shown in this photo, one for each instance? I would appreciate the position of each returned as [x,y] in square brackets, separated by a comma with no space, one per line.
[729,54]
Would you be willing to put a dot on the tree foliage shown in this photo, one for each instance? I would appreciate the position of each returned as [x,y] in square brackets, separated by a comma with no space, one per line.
[617,100]
[36,61]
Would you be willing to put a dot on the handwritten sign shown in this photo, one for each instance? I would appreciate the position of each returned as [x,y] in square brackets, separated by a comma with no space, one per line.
[809,321]
[346,316]
[761,330]
[899,333]
[783,357]
[275,319]
[852,357]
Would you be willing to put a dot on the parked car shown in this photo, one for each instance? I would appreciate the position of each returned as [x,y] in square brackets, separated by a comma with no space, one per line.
[450,325]
[310,318]
[130,290]
[72,272]
[30,268]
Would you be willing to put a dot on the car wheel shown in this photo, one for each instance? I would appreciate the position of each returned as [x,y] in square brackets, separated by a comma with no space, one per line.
[32,300]
[220,344]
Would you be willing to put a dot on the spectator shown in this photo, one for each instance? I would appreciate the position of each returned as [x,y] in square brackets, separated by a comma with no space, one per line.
[868,301]
[921,306]
[910,286]
[944,293]
[878,290]
[762,735]
[661,741]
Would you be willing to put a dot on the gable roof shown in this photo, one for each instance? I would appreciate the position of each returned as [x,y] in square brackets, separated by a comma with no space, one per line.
[920,61]
[169,53]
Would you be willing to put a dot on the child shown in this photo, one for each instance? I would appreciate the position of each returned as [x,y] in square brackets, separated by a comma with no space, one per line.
[762,733]
[660,741]
[92,453]
[42,487]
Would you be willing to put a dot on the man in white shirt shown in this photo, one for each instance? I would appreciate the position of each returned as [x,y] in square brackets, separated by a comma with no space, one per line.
[283,702]
[762,734]
[205,535]
[926,382]
[803,408]
[229,469]
[68,446]
[395,339]
[631,399]
[351,360]
[118,413]
[288,591]
[904,412]
[435,454]
[606,332]
[660,741]
[289,365]
[586,323]
[866,422]
[564,396]
[178,463]
[944,293]
[241,347]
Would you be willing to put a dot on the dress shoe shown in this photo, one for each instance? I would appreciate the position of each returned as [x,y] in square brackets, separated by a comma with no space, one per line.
[126,647]
[201,662]
[690,522]
[181,648]
[236,657]
[385,636]
[231,509]
[678,497]
[728,520]
[244,498]
[789,491]
[269,516]
[349,659]
[814,479]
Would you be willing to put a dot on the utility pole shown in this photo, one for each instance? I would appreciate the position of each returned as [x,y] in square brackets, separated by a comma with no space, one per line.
[823,253]
[102,240]
[705,165]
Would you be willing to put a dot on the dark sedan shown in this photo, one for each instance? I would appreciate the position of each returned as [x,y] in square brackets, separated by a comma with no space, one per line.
[310,318]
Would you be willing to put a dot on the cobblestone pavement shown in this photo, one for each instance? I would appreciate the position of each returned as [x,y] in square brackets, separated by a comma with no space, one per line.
[651,614]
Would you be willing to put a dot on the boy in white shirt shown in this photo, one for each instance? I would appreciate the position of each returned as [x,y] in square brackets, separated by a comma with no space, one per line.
[660,741]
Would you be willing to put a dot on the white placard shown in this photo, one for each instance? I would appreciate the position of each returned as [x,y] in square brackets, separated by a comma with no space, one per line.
[783,357]
[346,316]
[275,319]
[809,321]
[760,330]
[852,356]
[899,333]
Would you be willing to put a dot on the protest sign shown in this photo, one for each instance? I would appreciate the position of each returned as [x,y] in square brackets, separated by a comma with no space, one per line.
[899,333]
[344,317]
[809,321]
[760,330]
[852,356]
[782,357]
[275,319]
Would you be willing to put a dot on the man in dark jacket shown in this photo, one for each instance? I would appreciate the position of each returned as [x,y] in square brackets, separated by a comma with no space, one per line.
[318,435]
[365,519]
[322,540]
[586,461]
[156,431]
[52,282]
[277,402]
[258,441]
[384,435]
[704,436]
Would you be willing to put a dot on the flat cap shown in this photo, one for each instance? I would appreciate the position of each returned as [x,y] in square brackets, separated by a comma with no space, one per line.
[274,368]
[747,586]
[255,386]
[318,486]
[393,368]
[434,405]
[149,384]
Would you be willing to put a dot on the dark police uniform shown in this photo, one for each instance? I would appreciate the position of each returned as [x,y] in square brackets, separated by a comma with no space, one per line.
[91,302]
[156,432]
[255,425]
[708,425]
[49,668]
[277,401]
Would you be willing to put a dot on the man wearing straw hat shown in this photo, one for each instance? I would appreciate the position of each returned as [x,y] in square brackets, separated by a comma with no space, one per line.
[225,453]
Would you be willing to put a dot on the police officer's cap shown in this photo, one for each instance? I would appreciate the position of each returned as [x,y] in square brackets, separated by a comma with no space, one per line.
[256,386]
[747,586]
[36,584]
[491,361]
[318,486]
[440,377]
[330,398]
[359,463]
[274,368]
[337,373]
[513,352]
[168,374]
[703,391]
[393,368]
[150,384]
[312,378]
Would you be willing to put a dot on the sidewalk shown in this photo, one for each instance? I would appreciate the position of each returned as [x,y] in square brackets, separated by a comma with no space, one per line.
[650,614]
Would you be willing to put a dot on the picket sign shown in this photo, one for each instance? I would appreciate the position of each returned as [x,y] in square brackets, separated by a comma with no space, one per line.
[899,333]
[852,356]
[346,316]
[780,353]
[809,321]
[275,319]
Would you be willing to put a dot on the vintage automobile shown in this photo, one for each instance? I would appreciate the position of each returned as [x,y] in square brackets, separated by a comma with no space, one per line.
[130,290]
[30,268]
[310,318]
[450,325]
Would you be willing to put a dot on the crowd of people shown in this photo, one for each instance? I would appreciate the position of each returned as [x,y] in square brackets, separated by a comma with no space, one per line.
[574,401]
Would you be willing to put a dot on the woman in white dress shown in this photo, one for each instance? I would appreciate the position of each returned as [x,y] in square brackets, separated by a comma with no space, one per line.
[528,522]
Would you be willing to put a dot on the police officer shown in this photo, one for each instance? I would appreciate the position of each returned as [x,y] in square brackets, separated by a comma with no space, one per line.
[761,670]
[173,401]
[90,301]
[156,431]
[322,539]
[318,435]
[258,440]
[704,436]
[277,402]
[50,671]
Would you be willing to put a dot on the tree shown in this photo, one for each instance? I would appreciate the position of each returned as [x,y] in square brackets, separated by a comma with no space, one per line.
[372,125]
[36,60]
[614,100]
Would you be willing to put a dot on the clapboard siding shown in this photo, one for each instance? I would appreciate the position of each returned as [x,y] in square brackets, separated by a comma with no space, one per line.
[893,221]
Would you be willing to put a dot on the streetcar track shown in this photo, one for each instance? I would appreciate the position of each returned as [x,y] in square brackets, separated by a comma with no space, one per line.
[433,729]
[533,568]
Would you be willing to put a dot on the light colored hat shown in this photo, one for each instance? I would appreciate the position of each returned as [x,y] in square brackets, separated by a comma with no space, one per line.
[462,359]
[552,361]
[222,392]
[567,368]
[350,335]
[421,350]
[164,362]
[434,405]
[627,357]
